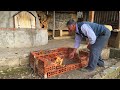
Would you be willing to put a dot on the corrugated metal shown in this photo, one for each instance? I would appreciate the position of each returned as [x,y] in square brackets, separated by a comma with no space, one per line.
[107,17]
[86,15]
[104,17]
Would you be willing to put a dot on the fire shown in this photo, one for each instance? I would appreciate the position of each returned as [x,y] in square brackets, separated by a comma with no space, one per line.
[59,60]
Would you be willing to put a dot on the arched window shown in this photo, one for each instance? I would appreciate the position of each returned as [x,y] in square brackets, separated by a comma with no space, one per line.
[24,19]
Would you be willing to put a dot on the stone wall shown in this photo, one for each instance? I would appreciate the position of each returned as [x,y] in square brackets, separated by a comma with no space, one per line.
[21,38]
[10,37]
[61,20]
[6,19]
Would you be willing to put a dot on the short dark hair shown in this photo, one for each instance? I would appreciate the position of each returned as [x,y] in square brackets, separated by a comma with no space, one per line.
[70,22]
[80,19]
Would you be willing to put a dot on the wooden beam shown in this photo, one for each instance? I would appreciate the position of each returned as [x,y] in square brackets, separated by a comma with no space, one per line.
[64,37]
[119,21]
[61,33]
[117,42]
[118,36]
[53,24]
[91,16]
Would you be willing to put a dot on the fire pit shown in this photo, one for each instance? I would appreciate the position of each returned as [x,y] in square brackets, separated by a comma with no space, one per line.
[48,63]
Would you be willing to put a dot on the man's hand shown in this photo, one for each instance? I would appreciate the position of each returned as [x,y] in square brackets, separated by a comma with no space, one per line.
[71,55]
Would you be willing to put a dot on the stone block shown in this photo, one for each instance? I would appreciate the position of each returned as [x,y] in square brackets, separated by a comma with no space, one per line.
[105,53]
[114,53]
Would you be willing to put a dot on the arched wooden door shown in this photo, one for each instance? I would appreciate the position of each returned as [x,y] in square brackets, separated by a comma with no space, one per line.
[24,19]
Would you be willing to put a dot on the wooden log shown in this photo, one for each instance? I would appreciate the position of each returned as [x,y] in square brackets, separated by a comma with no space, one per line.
[61,33]
[91,16]
[119,21]
[117,42]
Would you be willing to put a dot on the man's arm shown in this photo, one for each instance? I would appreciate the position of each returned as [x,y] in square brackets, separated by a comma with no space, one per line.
[87,30]
[76,45]
[78,39]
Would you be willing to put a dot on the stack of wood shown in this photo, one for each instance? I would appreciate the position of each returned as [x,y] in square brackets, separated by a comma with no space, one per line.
[44,19]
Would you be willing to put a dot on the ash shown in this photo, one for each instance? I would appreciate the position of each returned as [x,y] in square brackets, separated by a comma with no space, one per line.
[69,61]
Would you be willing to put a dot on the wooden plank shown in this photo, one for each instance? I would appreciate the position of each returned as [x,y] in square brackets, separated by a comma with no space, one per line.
[91,16]
[106,15]
[61,33]
[117,42]
[100,13]
[119,32]
[66,12]
[64,37]
[116,30]
[96,19]
[119,21]
[53,24]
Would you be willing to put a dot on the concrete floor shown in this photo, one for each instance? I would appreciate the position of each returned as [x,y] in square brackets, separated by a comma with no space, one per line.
[25,72]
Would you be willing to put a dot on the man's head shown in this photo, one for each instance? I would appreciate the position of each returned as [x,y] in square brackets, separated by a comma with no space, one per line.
[71,24]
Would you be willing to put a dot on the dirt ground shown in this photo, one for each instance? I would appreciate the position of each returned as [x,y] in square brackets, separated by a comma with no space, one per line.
[25,72]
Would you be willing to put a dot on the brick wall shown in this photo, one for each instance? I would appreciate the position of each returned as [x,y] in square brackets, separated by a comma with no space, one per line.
[61,20]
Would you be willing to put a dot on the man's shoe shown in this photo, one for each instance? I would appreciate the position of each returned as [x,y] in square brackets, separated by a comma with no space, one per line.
[86,69]
[100,65]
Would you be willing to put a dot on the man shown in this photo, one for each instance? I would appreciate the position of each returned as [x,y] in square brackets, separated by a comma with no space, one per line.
[97,35]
